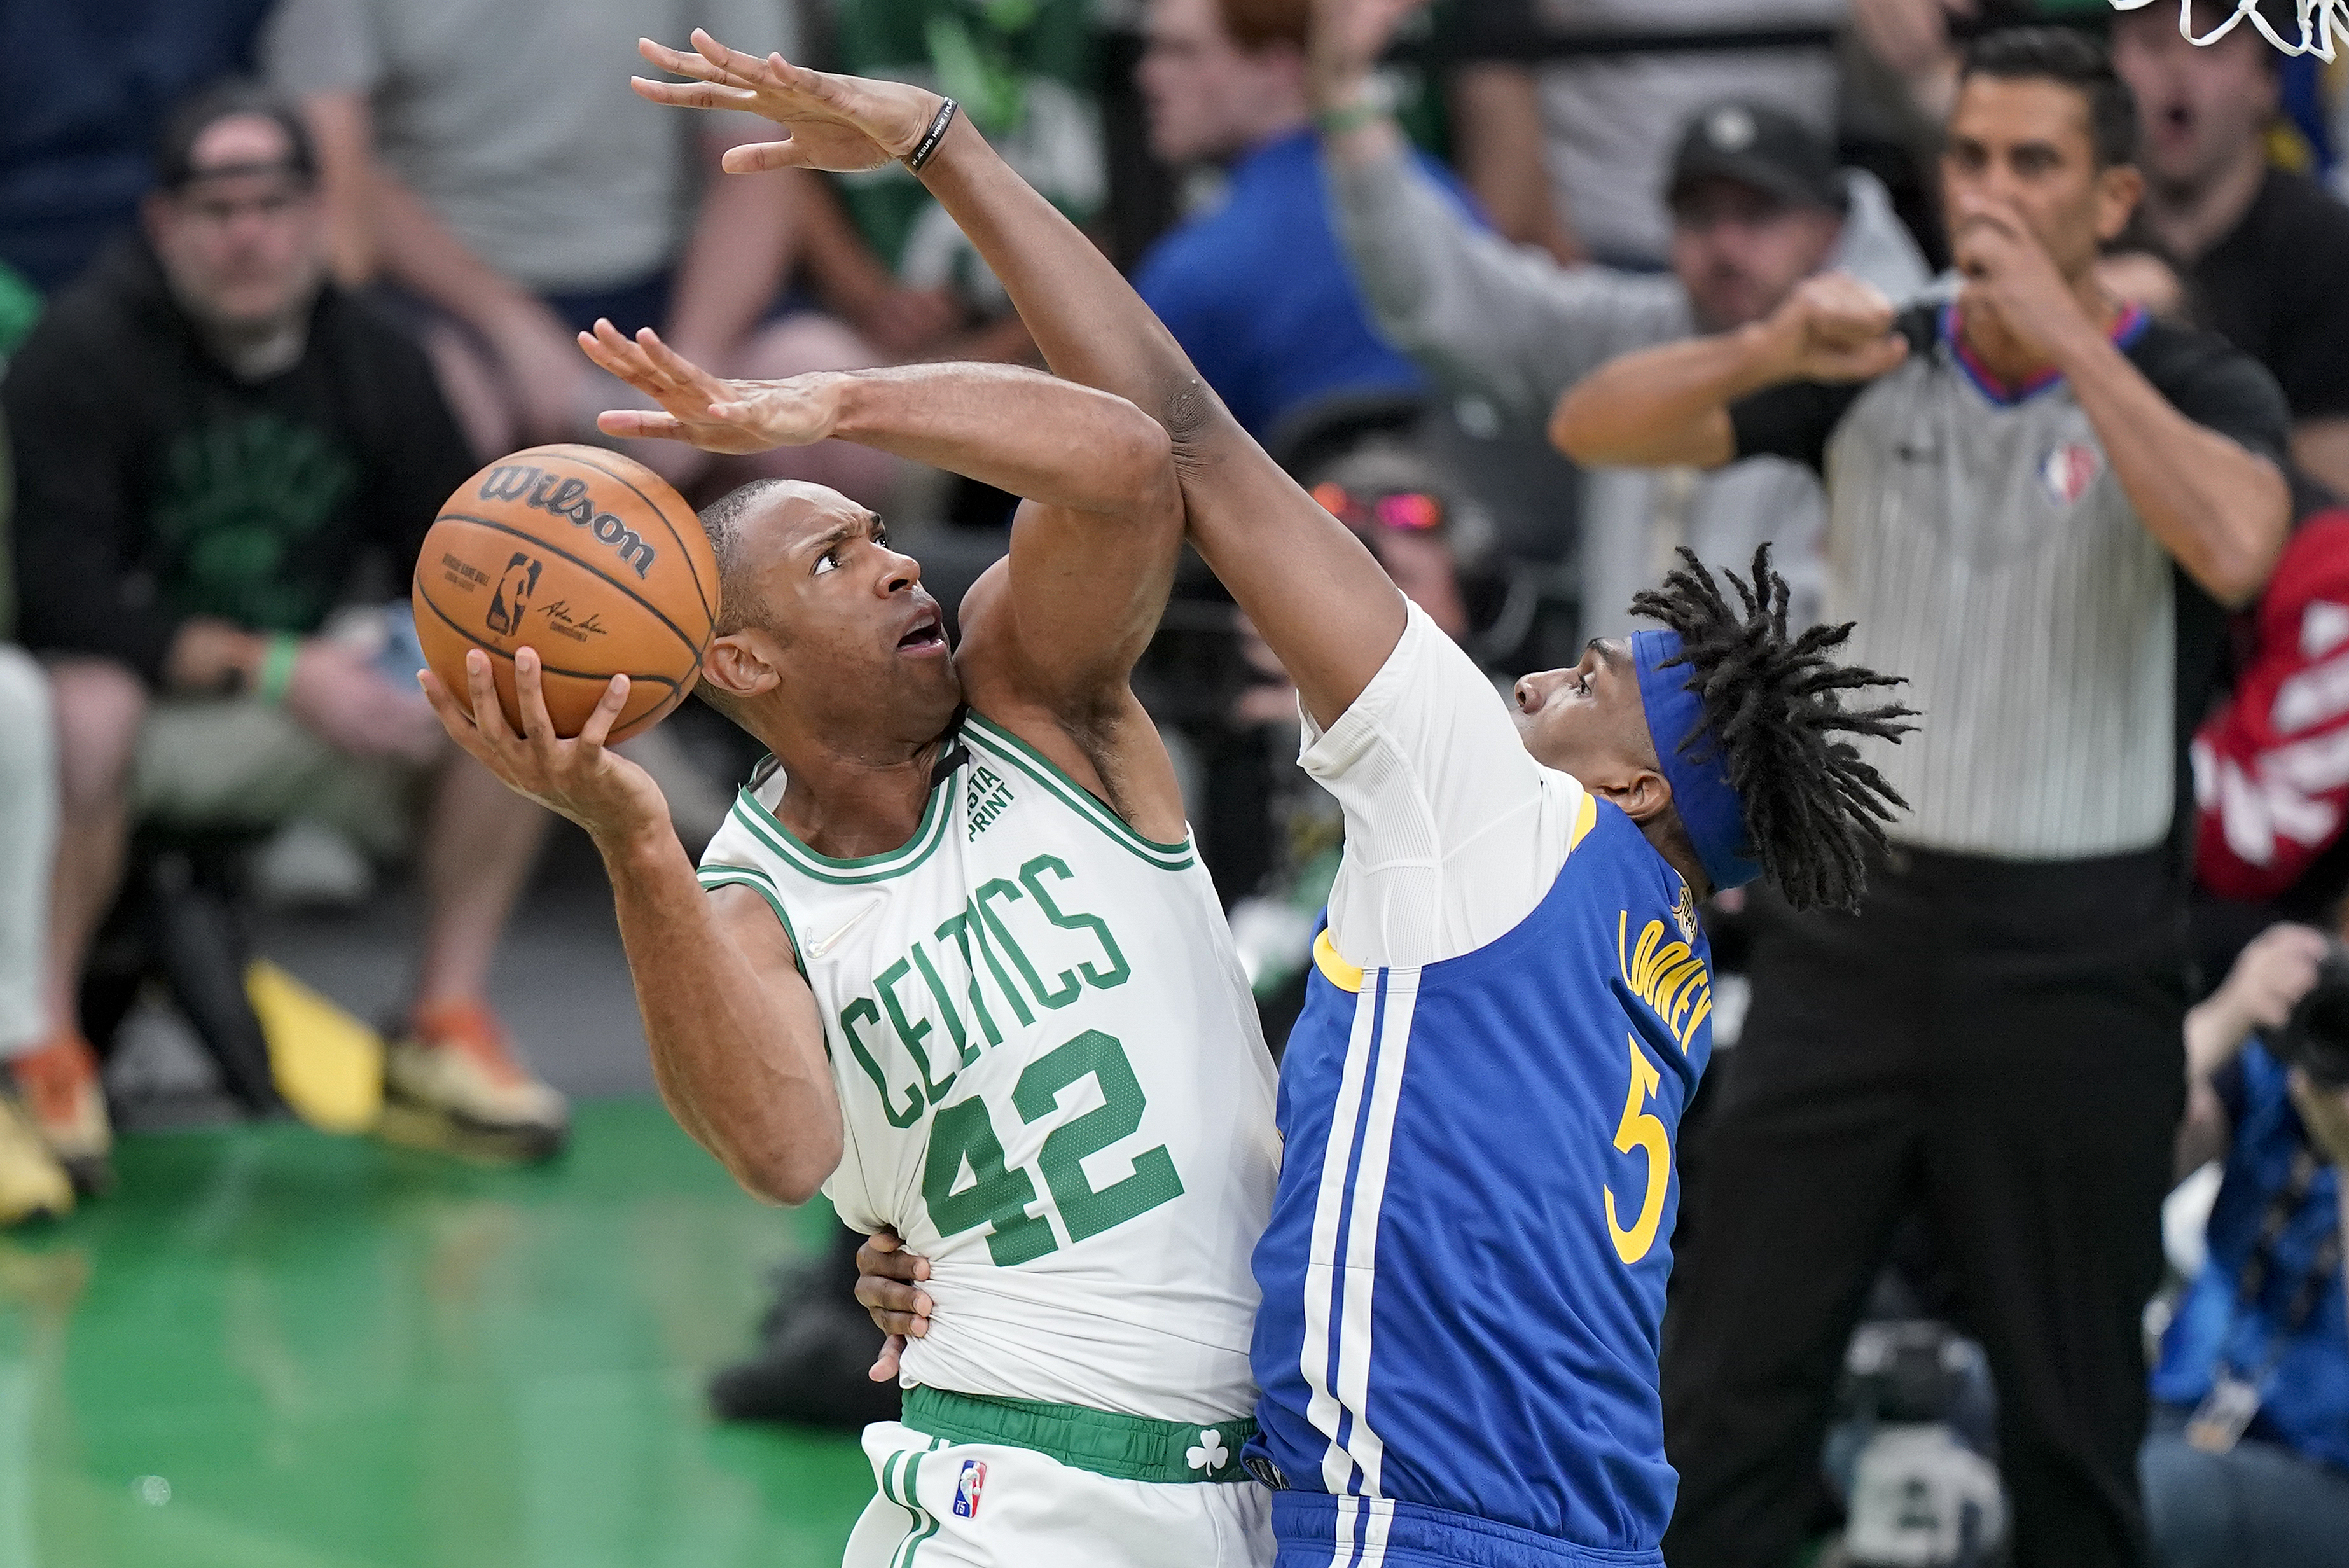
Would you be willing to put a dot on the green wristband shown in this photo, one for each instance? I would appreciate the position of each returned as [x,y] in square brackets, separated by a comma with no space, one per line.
[277,668]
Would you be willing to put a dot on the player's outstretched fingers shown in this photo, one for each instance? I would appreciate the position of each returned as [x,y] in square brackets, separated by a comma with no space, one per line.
[530,696]
[453,719]
[641,424]
[598,727]
[762,157]
[693,95]
[489,713]
[617,353]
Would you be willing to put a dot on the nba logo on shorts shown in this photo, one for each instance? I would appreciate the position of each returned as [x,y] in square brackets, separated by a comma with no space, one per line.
[2069,470]
[974,1476]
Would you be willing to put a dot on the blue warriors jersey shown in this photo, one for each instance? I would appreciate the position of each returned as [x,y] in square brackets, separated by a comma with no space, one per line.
[1463,1278]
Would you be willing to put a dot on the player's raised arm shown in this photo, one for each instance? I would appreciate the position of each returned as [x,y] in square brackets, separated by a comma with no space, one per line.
[1092,550]
[736,1045]
[1311,588]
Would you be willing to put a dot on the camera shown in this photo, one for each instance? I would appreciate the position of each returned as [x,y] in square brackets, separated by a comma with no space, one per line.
[2316,1038]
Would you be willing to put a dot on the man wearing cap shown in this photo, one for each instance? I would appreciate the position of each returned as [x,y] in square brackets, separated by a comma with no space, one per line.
[208,439]
[1757,205]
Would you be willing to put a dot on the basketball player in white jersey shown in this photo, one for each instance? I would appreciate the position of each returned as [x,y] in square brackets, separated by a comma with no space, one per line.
[953,962]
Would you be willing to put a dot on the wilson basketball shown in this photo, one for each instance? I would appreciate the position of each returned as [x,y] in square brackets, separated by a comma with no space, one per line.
[588,557]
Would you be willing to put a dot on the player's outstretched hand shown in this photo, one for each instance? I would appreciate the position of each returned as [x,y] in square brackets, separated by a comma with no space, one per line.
[838,124]
[886,1280]
[732,417]
[1835,327]
[602,792]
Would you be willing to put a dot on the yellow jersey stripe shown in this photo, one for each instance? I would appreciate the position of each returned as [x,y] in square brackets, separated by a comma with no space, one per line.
[1334,970]
[1584,821]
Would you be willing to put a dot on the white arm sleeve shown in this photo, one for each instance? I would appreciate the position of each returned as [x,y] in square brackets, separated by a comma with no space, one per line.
[1454,832]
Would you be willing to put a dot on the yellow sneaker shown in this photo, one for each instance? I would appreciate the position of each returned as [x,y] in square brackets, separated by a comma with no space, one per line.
[327,1065]
[33,1185]
[66,1101]
[452,1083]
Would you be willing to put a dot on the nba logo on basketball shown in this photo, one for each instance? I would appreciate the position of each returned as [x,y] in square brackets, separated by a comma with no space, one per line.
[974,1476]
[2069,470]
[513,596]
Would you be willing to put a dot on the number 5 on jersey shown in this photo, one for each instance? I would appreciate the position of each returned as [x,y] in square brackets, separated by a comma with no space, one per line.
[1641,1129]
[967,1183]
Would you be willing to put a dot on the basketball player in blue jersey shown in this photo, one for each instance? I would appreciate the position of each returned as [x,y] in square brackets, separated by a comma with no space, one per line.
[1463,1275]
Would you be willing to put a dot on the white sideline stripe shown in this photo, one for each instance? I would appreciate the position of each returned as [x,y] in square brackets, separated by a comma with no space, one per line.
[1322,1407]
[1343,1557]
[1374,1540]
[1363,1243]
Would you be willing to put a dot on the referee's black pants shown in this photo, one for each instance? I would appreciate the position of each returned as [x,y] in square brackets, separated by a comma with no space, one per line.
[1997,1044]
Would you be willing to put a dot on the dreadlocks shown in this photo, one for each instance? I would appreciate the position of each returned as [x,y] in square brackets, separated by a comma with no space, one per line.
[1813,808]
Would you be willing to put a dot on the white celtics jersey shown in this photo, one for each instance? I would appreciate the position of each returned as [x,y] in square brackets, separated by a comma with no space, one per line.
[1052,1078]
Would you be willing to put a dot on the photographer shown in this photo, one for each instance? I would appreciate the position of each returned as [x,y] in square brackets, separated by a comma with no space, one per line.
[2249,1459]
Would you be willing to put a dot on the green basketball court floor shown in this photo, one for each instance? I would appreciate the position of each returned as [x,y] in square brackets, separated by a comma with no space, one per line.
[271,1348]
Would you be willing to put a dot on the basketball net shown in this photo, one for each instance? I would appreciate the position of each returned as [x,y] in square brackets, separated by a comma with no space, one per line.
[2320,22]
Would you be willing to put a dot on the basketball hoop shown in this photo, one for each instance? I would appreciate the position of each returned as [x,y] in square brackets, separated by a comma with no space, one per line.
[2321,23]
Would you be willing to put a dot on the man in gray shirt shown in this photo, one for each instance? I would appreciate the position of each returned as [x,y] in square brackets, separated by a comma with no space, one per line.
[1757,205]
[2041,503]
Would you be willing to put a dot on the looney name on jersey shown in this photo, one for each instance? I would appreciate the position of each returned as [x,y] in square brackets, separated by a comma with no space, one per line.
[1668,978]
[947,999]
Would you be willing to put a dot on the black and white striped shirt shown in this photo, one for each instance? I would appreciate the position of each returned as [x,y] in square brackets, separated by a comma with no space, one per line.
[1978,536]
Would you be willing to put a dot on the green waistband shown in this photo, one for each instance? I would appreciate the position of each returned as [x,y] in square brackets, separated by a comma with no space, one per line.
[1123,1448]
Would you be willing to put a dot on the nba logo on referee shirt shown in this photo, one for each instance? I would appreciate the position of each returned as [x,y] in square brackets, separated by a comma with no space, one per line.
[974,1476]
[2069,470]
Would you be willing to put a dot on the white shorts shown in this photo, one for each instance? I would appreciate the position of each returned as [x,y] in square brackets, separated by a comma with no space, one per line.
[991,1505]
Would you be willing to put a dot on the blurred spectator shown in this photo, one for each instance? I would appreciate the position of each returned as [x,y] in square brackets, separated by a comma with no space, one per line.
[2248,1460]
[2040,502]
[86,85]
[902,273]
[2266,247]
[1571,154]
[1757,205]
[2271,771]
[207,436]
[516,219]
[1256,289]
[32,1182]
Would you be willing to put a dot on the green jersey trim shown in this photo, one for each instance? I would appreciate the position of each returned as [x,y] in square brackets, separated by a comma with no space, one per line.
[1011,749]
[768,830]
[759,882]
[1123,1448]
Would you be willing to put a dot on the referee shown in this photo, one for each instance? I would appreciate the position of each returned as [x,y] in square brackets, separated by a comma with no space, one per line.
[2041,504]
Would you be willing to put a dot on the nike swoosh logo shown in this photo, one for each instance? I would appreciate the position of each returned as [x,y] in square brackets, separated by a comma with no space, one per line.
[828,943]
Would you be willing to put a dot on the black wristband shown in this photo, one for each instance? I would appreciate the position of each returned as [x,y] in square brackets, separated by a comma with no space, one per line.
[937,132]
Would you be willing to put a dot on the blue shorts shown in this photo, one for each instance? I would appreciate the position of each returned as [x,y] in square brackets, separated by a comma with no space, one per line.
[1315,1530]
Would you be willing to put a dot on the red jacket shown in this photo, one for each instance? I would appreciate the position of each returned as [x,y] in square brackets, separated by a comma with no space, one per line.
[2272,766]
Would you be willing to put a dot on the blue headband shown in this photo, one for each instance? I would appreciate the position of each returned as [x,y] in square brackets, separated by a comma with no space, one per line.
[1708,805]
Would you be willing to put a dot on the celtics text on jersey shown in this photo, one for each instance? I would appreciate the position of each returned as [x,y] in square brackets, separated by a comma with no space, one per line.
[1051,1079]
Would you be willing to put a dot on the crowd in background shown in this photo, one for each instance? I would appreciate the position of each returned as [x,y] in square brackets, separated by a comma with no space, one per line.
[277,275]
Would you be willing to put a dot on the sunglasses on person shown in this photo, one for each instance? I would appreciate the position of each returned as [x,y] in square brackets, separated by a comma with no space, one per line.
[1404,510]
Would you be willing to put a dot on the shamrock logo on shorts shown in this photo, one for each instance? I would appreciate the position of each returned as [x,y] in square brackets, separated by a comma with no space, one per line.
[1210,1455]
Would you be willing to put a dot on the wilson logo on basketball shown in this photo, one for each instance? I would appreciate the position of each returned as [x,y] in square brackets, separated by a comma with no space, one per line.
[567,498]
[513,597]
